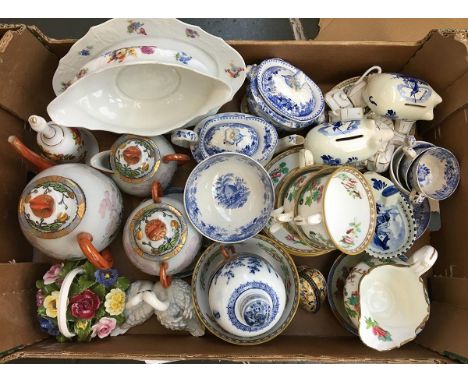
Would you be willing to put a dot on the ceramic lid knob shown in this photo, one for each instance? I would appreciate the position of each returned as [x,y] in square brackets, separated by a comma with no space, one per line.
[48,131]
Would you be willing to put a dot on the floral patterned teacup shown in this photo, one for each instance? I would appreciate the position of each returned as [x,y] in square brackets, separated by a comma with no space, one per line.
[136,162]
[394,304]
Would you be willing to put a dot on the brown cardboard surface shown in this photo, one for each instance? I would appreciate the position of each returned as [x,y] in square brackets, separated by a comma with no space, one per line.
[283,348]
[310,337]
[450,290]
[26,84]
[18,322]
[383,29]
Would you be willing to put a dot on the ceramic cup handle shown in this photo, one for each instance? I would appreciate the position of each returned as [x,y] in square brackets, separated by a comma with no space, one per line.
[306,158]
[184,138]
[101,162]
[179,158]
[99,260]
[62,302]
[156,191]
[308,220]
[289,141]
[423,259]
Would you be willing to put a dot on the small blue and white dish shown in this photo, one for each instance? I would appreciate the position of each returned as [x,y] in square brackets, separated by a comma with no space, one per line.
[395,231]
[435,173]
[258,315]
[247,296]
[236,132]
[288,91]
[229,197]
[406,162]
[422,215]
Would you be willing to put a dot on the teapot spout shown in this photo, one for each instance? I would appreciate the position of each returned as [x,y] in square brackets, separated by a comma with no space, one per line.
[36,160]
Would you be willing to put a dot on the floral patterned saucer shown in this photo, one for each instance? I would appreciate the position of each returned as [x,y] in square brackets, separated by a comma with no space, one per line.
[395,231]
[229,197]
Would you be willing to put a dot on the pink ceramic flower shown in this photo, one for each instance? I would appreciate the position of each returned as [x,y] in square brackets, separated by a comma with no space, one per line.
[52,274]
[103,327]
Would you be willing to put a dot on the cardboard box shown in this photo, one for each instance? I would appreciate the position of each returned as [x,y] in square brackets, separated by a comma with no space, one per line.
[27,63]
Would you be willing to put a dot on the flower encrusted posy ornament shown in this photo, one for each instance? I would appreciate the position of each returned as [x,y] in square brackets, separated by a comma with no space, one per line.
[96,301]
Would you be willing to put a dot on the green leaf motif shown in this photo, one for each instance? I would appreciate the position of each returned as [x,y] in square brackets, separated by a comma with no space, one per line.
[120,319]
[100,290]
[39,284]
[48,289]
[122,283]
[41,311]
[89,270]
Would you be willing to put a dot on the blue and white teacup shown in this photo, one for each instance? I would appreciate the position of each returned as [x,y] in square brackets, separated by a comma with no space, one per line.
[435,174]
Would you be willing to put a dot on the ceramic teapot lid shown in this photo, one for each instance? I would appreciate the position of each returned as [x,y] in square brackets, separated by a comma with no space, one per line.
[134,158]
[51,207]
[288,91]
[158,232]
[228,136]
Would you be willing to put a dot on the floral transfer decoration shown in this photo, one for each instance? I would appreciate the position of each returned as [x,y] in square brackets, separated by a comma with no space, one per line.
[277,172]
[191,33]
[95,302]
[136,27]
[234,71]
[382,334]
[85,51]
[183,57]
[350,184]
[313,193]
[353,231]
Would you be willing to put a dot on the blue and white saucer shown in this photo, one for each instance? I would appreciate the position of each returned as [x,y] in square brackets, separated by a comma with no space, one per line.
[235,132]
[288,91]
[422,215]
[395,231]
[229,197]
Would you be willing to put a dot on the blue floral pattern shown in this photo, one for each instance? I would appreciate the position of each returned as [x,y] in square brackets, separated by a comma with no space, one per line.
[257,315]
[391,114]
[338,128]
[231,191]
[183,57]
[237,137]
[331,161]
[413,89]
[423,174]
[251,262]
[378,184]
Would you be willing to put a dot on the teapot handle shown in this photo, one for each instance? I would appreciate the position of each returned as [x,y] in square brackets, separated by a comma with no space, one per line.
[163,276]
[101,162]
[36,160]
[99,260]
[180,158]
[156,191]
[62,302]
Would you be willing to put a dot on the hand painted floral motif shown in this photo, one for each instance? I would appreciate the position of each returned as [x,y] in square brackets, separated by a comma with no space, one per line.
[391,114]
[348,240]
[136,27]
[338,128]
[352,304]
[331,161]
[85,51]
[318,238]
[379,184]
[65,85]
[293,239]
[413,89]
[192,33]
[277,172]
[350,184]
[234,71]
[231,191]
[82,73]
[183,57]
[115,302]
[120,55]
[381,333]
[147,49]
[313,193]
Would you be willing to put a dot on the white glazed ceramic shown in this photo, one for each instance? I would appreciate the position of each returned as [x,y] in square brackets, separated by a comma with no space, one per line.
[352,142]
[140,90]
[279,168]
[161,232]
[229,197]
[435,173]
[351,285]
[336,208]
[400,96]
[395,231]
[62,203]
[135,162]
[219,58]
[246,296]
[394,305]
[235,132]
[406,161]
[63,144]
[213,259]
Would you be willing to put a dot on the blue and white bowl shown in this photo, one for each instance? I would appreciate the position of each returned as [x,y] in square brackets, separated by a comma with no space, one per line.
[406,162]
[395,231]
[247,296]
[229,197]
[436,173]
[274,261]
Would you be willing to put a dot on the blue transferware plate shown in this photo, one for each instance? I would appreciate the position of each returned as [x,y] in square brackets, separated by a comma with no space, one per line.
[229,197]
[395,231]
[288,91]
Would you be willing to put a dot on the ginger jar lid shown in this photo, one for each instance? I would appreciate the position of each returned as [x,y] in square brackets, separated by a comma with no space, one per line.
[288,91]
[158,232]
[51,207]
[135,159]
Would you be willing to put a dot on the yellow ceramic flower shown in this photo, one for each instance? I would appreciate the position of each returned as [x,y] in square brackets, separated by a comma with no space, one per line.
[115,302]
[50,303]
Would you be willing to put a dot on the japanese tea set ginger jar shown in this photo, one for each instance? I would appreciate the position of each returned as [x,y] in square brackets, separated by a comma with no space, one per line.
[294,173]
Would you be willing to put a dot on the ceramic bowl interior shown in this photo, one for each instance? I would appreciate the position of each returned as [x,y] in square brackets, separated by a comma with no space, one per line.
[406,162]
[212,259]
[138,96]
[229,197]
[395,296]
[393,170]
[436,173]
